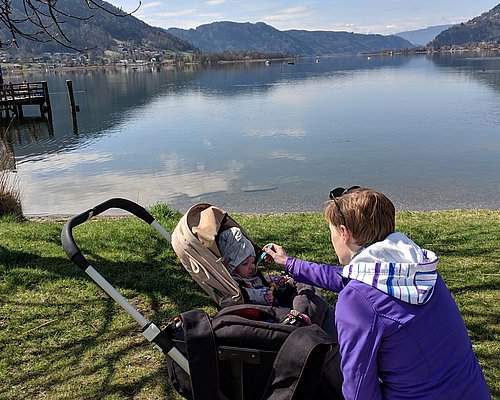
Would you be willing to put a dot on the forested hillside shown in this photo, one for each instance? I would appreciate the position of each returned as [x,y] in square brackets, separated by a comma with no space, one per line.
[231,36]
[485,28]
[100,32]
[96,30]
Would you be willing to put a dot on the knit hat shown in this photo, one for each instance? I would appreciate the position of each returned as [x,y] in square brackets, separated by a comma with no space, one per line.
[234,247]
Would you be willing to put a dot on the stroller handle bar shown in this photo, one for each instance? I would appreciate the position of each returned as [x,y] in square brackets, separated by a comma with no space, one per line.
[68,242]
[149,330]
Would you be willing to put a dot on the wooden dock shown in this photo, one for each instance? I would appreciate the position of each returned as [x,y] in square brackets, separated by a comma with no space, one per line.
[13,96]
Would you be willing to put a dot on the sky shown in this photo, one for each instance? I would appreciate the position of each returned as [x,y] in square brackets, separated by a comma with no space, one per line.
[359,16]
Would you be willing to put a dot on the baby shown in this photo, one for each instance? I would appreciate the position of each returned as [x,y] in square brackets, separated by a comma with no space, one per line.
[239,258]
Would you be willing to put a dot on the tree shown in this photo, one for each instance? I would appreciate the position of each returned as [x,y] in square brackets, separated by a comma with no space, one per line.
[43,20]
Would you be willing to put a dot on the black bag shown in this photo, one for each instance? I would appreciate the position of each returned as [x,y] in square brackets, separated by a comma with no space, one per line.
[249,352]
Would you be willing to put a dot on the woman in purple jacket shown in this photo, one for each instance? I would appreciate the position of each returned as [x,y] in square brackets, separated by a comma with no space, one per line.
[400,332]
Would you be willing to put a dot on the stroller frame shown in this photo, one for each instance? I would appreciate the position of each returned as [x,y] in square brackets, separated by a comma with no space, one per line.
[149,330]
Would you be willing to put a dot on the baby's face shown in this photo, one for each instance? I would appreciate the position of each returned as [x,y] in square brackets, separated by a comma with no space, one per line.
[246,268]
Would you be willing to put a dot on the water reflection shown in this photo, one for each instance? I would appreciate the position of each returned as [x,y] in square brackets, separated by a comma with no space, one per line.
[69,180]
[483,67]
[15,133]
[209,134]
[111,96]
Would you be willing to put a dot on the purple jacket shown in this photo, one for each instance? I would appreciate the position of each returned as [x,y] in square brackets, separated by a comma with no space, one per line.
[401,334]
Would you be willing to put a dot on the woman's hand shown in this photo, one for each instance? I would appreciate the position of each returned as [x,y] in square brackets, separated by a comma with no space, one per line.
[275,253]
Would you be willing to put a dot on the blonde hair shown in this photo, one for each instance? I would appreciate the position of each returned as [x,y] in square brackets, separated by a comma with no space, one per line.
[369,215]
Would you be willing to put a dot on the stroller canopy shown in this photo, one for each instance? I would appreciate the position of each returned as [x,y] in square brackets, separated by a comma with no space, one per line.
[194,242]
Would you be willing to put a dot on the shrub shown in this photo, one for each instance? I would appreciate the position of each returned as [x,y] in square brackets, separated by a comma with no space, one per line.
[10,195]
[162,210]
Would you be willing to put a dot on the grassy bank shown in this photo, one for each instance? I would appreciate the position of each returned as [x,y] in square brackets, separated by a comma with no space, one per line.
[61,337]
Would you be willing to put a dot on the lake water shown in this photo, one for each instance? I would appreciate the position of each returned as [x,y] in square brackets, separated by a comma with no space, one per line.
[256,138]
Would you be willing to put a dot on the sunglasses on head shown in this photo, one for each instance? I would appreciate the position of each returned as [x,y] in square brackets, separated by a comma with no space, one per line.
[337,192]
[340,191]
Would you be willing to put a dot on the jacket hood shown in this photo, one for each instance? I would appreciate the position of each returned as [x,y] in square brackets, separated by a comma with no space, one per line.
[397,267]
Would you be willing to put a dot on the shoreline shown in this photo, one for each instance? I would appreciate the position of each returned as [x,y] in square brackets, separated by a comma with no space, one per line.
[18,69]
[117,216]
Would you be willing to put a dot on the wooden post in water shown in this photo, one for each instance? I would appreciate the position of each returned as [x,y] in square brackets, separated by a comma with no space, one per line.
[46,107]
[74,107]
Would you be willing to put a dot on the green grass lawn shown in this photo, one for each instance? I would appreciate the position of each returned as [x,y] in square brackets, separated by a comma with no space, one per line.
[61,337]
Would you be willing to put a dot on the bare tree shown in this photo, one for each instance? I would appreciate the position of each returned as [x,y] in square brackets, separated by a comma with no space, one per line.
[42,20]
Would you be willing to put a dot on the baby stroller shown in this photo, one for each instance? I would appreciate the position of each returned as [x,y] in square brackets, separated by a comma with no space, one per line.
[194,242]
[231,355]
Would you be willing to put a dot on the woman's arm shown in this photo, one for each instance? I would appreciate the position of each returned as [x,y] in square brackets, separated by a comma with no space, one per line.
[321,275]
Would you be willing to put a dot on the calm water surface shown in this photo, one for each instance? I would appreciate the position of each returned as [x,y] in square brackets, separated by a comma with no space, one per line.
[256,138]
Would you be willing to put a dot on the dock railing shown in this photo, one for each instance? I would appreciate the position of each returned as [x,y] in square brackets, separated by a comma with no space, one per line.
[13,96]
[22,91]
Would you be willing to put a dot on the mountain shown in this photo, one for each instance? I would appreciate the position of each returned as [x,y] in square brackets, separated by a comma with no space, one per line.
[329,42]
[485,28]
[231,36]
[421,37]
[102,31]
